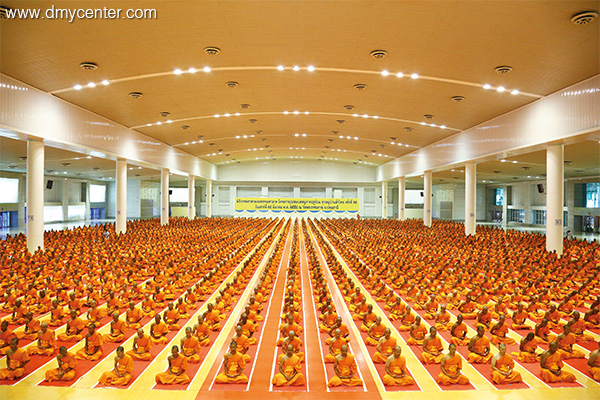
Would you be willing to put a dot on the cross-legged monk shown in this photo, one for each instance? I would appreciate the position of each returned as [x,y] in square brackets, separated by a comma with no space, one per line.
[542,332]
[92,349]
[94,314]
[57,314]
[133,316]
[479,348]
[73,329]
[502,367]
[375,332]
[32,327]
[335,346]
[175,373]
[158,331]
[385,347]
[6,335]
[418,331]
[519,317]
[442,319]
[202,331]
[46,342]
[142,344]
[395,370]
[451,366]
[368,319]
[484,318]
[121,373]
[551,366]
[592,318]
[289,369]
[345,370]
[527,348]
[148,306]
[171,317]
[338,325]
[458,332]
[407,319]
[499,332]
[432,348]
[118,328]
[66,367]
[577,326]
[468,308]
[212,317]
[565,341]
[16,359]
[295,342]
[242,342]
[594,363]
[329,319]
[190,347]
[233,367]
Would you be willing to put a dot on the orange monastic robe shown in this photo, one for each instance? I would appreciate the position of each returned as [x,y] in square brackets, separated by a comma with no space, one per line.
[117,333]
[124,366]
[144,347]
[345,366]
[46,340]
[480,345]
[529,356]
[504,364]
[20,356]
[161,329]
[94,341]
[178,364]
[553,362]
[289,366]
[434,346]
[34,327]
[398,367]
[452,366]
[190,345]
[75,325]
[388,348]
[68,361]
[499,336]
[234,363]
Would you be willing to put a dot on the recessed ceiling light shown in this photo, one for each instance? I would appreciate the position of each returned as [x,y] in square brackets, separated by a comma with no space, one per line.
[414,76]
[296,68]
[385,72]
[296,112]
[206,69]
[365,116]
[304,135]
[105,82]
[399,74]
[514,91]
[296,134]
[443,126]
[77,87]
[178,72]
[423,123]
[217,115]
[501,89]
[159,123]
[306,112]
[148,124]
[311,68]
[89,157]
[514,162]
[227,115]
[280,67]
[91,84]
[487,86]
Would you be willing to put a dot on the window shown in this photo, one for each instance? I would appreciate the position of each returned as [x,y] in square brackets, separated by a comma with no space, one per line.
[592,195]
[538,217]
[9,190]
[499,196]
[97,193]
[516,215]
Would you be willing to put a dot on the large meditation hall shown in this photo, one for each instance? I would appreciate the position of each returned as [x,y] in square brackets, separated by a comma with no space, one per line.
[306,200]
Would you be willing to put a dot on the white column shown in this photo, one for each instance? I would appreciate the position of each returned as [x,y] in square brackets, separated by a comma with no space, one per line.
[164,196]
[121,225]
[427,198]
[384,199]
[208,198]
[470,198]
[65,200]
[554,198]
[87,202]
[191,197]
[35,195]
[401,201]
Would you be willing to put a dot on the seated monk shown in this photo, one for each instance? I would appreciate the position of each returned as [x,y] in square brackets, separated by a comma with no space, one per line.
[338,325]
[453,300]
[418,331]
[542,332]
[212,317]
[551,366]
[360,310]
[142,344]
[421,299]
[397,309]
[345,370]
[183,309]
[468,308]
[148,306]
[175,373]
[190,347]
[171,317]
[451,365]
[191,298]
[519,317]
[121,373]
[73,329]
[328,319]
[502,367]
[118,328]
[242,343]
[432,348]
[32,327]
[289,369]
[479,348]
[285,329]
[500,308]
[133,316]
[46,342]
[527,349]
[385,347]
[94,314]
[295,342]
[499,332]
[43,305]
[355,299]
[202,330]
[249,327]
[431,307]
[18,314]
[75,303]
[159,298]
[442,319]
[484,318]
[233,367]
[395,370]
[6,335]
[158,331]
[16,359]
[406,320]
[57,314]
[565,342]
[10,298]
[594,363]
[335,346]
[553,317]
[592,318]
[577,326]
[92,349]
[66,367]
[375,332]
[533,309]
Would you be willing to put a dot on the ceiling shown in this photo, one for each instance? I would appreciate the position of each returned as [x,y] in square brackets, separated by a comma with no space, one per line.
[453,46]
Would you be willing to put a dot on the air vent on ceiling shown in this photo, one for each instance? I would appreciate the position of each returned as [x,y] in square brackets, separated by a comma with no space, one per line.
[200,136]
[245,106]
[340,121]
[211,144]
[89,66]
[65,164]
[23,158]
[378,54]
[526,168]
[458,99]
[335,132]
[184,127]
[212,51]
[231,84]
[497,172]
[253,121]
[330,140]
[349,107]
[408,129]
[360,86]
[165,114]
[584,18]
[566,162]
[12,167]
[428,116]
[503,69]
[135,95]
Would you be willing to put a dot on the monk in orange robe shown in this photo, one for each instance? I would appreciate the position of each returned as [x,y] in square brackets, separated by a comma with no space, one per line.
[148,306]
[190,347]
[468,308]
[92,349]
[335,346]
[242,343]
[133,316]
[458,332]
[142,344]
[376,332]
[121,373]
[479,348]
[191,298]
[484,318]
[175,373]
[329,319]
[503,367]
[233,367]
[183,309]
[594,363]
[592,318]
[94,314]
[345,370]
[451,365]
[442,319]
[158,331]
[289,370]
[73,329]
[499,332]
[368,319]
[46,342]
[565,341]
[406,320]
[212,317]
[551,366]
[16,359]
[171,317]
[385,347]
[293,340]
[527,348]
[577,326]
[202,330]
[542,332]
[418,331]
[397,309]
[396,373]
[6,335]
[57,313]
[118,329]
[519,317]
[432,348]
[66,367]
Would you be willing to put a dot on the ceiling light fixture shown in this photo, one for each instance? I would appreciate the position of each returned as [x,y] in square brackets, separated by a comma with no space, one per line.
[91,84]
[77,87]
[514,92]
[105,82]
[385,72]
[487,86]
[192,70]
[399,75]
[310,68]
[296,68]
[280,67]
[207,69]
[414,76]
[500,89]
[178,72]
